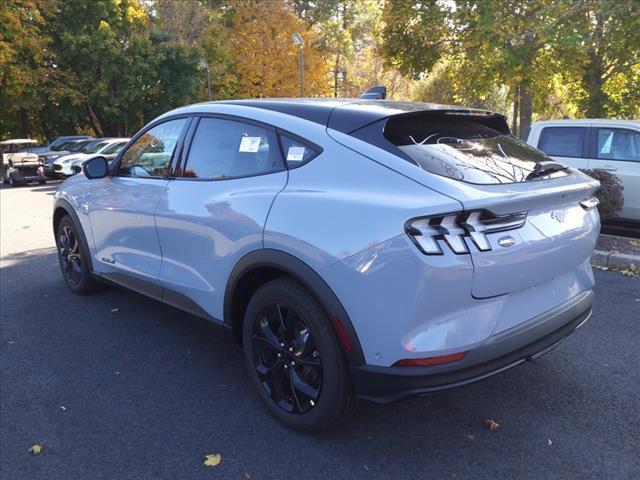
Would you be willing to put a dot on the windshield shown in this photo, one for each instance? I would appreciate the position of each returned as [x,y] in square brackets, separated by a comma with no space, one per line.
[114,148]
[468,150]
[93,147]
[75,146]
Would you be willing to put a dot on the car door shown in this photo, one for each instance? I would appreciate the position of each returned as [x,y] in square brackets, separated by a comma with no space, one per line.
[617,150]
[122,208]
[214,211]
[566,144]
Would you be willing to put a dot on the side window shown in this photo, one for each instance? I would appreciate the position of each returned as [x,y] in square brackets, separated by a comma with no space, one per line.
[150,155]
[562,141]
[618,144]
[227,149]
[296,153]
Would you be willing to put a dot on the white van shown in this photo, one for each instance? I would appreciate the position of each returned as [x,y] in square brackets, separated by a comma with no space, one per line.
[611,145]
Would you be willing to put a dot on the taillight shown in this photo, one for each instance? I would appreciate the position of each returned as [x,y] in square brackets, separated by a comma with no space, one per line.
[429,232]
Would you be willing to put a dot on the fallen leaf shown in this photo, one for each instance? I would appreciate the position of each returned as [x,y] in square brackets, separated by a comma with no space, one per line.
[549,442]
[471,437]
[115,310]
[63,407]
[35,449]
[491,424]
[246,475]
[212,460]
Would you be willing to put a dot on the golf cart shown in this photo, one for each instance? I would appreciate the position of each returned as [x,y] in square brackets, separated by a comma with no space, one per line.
[19,165]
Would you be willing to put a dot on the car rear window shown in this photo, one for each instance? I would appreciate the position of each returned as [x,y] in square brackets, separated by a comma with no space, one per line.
[469,148]
[562,141]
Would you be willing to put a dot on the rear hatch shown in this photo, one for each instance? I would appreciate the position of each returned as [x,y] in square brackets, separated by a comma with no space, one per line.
[526,219]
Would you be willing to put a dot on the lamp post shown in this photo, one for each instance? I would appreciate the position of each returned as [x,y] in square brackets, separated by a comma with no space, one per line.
[297,39]
[204,64]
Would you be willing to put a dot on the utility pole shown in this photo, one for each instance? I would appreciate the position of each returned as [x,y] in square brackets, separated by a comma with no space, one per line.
[297,39]
[204,64]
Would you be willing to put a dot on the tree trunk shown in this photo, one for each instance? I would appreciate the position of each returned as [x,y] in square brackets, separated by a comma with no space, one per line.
[516,103]
[23,121]
[336,72]
[93,120]
[594,72]
[526,110]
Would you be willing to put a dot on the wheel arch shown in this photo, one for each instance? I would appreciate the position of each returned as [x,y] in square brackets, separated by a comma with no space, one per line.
[63,207]
[260,266]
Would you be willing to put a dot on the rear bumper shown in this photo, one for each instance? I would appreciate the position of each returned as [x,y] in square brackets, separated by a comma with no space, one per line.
[501,352]
[27,174]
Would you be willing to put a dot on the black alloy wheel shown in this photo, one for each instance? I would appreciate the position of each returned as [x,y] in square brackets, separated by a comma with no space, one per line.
[294,358]
[73,258]
[286,358]
[70,255]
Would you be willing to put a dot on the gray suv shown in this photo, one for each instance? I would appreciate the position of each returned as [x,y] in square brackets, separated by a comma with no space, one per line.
[353,248]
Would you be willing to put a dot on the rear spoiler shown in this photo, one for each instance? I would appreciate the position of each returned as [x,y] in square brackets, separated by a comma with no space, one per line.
[355,116]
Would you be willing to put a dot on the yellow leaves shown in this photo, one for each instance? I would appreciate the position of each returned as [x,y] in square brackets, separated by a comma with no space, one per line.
[35,449]
[265,57]
[212,460]
[104,26]
[630,271]
[491,424]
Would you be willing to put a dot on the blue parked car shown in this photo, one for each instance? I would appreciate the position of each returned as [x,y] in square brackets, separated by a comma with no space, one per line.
[354,248]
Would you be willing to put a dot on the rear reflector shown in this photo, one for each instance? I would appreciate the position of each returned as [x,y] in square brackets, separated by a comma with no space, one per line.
[342,334]
[424,362]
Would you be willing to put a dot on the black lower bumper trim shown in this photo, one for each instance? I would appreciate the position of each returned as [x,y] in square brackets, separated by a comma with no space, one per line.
[389,384]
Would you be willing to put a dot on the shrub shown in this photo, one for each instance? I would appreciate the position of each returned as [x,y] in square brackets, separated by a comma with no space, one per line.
[610,192]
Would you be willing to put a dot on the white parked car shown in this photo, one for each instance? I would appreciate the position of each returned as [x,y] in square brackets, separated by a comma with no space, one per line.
[611,145]
[62,167]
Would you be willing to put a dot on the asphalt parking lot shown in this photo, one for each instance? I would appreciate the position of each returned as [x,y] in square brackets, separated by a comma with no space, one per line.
[117,386]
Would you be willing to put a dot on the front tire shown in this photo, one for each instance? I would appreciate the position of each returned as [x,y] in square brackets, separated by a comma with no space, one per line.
[294,358]
[73,258]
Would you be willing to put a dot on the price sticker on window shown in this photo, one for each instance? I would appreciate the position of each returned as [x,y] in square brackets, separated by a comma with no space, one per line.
[295,154]
[249,144]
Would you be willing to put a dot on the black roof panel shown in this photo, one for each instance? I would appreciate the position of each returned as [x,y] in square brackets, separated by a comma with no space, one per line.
[348,114]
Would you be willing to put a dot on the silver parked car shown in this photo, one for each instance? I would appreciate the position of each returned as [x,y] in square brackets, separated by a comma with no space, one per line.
[354,248]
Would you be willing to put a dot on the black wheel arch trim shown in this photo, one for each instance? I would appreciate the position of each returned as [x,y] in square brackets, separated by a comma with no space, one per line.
[63,204]
[308,277]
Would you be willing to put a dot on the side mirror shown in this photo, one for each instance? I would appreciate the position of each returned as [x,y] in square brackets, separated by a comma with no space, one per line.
[95,168]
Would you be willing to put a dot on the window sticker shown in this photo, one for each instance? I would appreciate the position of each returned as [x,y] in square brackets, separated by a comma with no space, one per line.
[249,144]
[295,154]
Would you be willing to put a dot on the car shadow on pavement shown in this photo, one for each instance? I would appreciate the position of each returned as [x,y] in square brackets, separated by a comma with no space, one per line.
[115,380]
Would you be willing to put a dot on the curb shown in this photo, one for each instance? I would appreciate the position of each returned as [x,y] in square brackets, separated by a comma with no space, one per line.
[601,258]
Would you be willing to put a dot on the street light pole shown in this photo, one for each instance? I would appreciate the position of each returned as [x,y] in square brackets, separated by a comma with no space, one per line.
[205,65]
[297,39]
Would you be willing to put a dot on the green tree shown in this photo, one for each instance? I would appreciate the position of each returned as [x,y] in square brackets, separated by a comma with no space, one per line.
[22,47]
[345,29]
[122,75]
[607,53]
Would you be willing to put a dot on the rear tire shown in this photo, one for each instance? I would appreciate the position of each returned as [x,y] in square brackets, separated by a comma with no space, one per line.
[294,359]
[74,258]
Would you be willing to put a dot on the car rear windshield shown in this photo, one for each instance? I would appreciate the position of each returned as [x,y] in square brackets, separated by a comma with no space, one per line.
[468,148]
